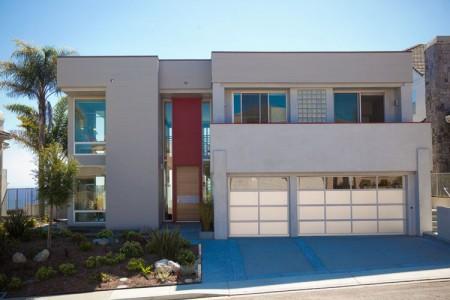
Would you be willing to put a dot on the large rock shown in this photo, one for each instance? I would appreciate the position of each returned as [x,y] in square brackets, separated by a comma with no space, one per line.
[166,265]
[19,258]
[42,256]
[101,242]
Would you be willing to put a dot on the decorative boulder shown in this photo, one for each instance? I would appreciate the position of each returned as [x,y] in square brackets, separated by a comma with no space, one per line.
[42,256]
[101,242]
[19,258]
[166,265]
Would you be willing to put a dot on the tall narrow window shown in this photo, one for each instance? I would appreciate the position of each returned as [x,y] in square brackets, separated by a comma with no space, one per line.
[167,173]
[259,108]
[90,126]
[346,107]
[90,199]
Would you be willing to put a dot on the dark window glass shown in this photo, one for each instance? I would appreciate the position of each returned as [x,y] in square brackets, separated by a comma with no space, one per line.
[277,108]
[264,109]
[365,182]
[338,183]
[237,108]
[168,128]
[250,108]
[89,217]
[206,121]
[390,182]
[346,108]
[372,109]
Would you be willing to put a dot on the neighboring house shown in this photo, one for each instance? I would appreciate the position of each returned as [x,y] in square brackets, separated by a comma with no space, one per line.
[3,176]
[437,77]
[288,143]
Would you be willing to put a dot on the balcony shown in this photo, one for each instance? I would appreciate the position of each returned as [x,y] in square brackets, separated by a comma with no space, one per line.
[362,147]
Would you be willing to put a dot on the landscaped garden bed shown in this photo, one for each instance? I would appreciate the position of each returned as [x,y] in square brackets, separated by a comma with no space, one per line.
[81,263]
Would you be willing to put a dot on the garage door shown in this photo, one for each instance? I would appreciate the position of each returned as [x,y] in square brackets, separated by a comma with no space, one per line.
[351,205]
[258,206]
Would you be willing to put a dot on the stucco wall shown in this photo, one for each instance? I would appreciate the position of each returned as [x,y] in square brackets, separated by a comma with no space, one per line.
[319,67]
[321,147]
[130,85]
[184,74]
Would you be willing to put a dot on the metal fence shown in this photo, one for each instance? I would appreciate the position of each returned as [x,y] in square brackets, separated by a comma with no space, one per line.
[22,198]
[440,185]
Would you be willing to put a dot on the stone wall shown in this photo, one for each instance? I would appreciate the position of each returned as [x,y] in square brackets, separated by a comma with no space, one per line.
[437,85]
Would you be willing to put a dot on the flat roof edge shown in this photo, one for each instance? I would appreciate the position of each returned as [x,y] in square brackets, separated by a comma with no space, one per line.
[311,52]
[106,56]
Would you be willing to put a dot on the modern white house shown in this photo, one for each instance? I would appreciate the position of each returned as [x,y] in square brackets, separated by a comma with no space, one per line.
[286,143]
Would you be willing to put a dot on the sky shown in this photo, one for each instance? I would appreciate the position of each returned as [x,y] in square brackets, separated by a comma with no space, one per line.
[192,29]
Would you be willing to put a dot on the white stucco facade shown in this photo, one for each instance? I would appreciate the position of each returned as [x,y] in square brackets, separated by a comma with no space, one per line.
[135,88]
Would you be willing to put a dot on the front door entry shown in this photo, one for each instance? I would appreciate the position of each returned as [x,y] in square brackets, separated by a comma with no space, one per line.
[187,158]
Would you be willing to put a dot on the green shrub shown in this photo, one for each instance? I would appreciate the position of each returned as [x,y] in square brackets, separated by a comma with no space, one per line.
[133,236]
[119,257]
[186,257]
[78,238]
[17,223]
[67,269]
[105,234]
[206,214]
[3,280]
[146,270]
[64,232]
[135,264]
[90,262]
[15,283]
[44,273]
[86,246]
[166,244]
[131,249]
[100,277]
[162,276]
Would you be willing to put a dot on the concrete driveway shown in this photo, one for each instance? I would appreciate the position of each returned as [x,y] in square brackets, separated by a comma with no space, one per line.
[259,258]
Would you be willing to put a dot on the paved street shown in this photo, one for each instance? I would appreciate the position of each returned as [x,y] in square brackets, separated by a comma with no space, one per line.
[420,290]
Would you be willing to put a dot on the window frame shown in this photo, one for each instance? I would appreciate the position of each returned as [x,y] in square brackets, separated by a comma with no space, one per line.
[75,143]
[268,92]
[360,93]
[75,211]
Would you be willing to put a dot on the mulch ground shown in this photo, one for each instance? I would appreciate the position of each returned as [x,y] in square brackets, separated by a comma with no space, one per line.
[66,251]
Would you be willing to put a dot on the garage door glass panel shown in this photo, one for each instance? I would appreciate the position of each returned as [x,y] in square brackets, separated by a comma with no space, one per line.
[311,227]
[364,212]
[274,228]
[338,212]
[390,211]
[364,197]
[337,197]
[311,197]
[390,196]
[391,226]
[311,183]
[243,198]
[364,183]
[338,227]
[311,212]
[365,227]
[273,198]
[244,229]
[390,182]
[243,213]
[273,183]
[244,183]
[338,183]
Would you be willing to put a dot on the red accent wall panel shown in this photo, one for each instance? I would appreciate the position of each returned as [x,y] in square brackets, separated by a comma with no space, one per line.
[187,132]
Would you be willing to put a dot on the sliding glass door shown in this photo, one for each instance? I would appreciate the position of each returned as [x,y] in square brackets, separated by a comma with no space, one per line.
[357,107]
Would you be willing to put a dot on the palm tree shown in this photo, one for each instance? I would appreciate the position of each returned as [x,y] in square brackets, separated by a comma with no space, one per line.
[32,73]
[28,134]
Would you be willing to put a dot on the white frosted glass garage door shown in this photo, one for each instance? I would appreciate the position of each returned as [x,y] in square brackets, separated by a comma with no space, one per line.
[351,205]
[258,206]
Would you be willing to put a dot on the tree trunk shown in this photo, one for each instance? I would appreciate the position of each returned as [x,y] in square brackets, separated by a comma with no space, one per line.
[42,119]
[49,232]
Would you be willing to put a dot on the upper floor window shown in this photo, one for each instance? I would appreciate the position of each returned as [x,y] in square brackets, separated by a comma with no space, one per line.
[357,107]
[259,108]
[90,126]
